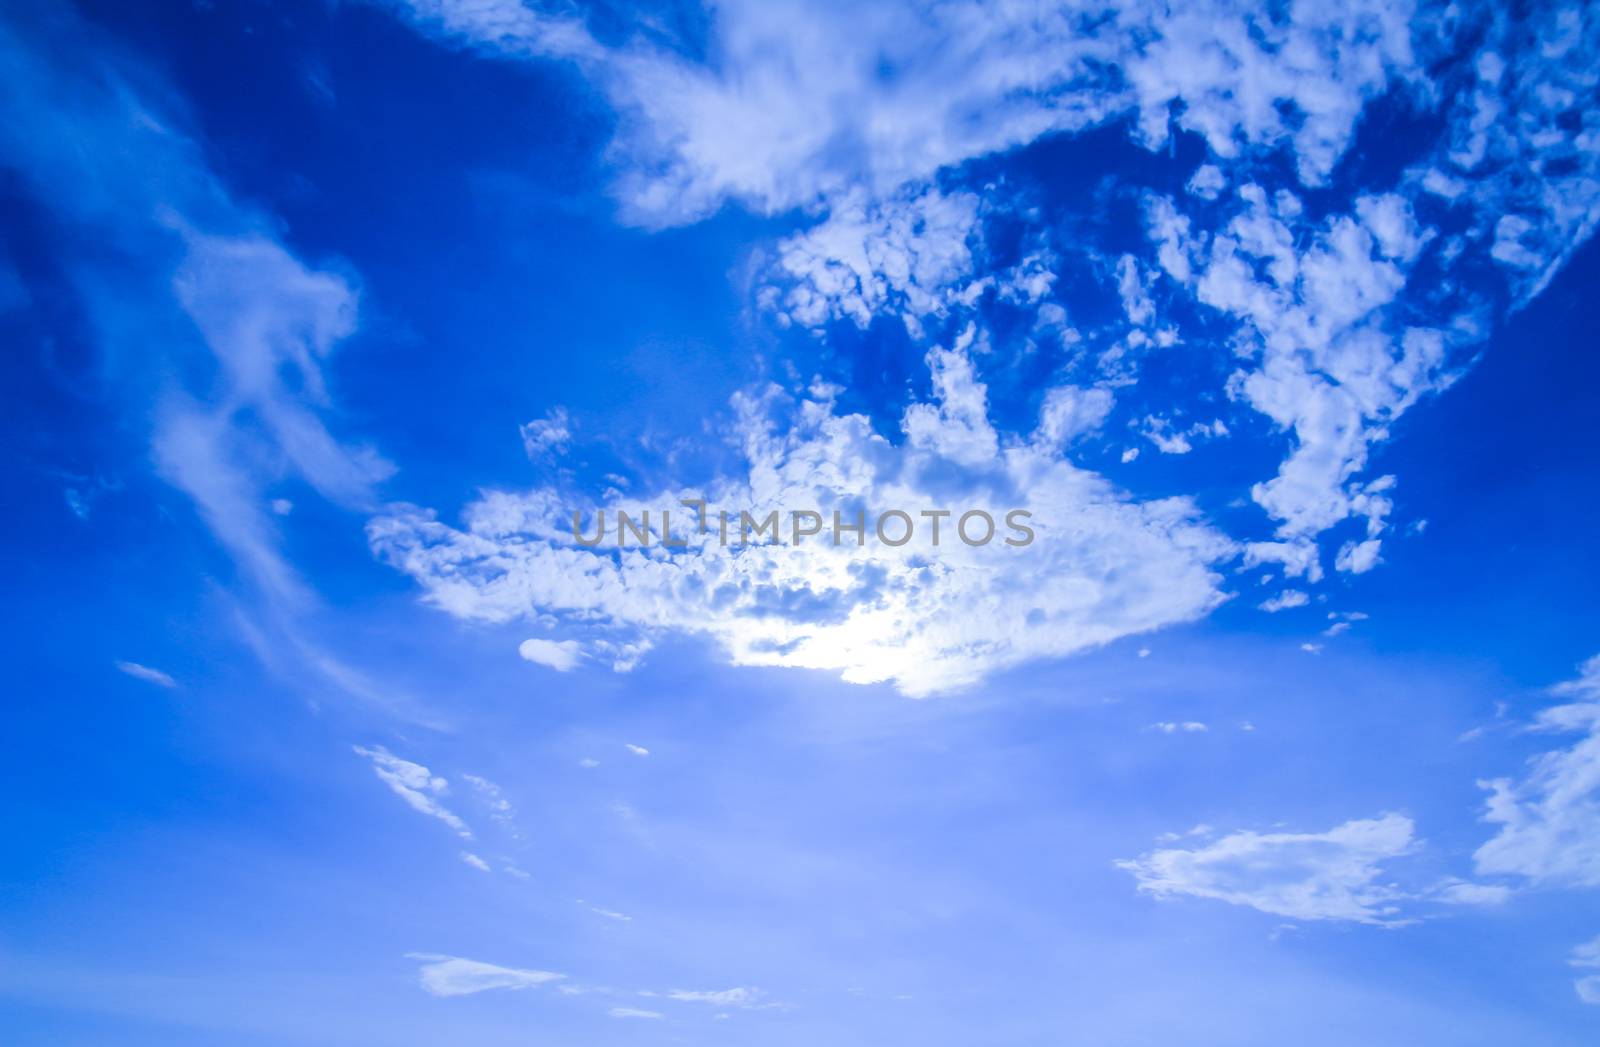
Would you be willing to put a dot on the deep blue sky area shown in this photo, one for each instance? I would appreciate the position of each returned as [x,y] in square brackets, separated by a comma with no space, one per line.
[322,319]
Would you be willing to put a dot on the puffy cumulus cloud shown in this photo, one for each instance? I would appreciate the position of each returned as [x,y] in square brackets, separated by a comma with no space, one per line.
[1550,817]
[910,255]
[560,655]
[1521,158]
[1101,565]
[861,106]
[1334,875]
[415,784]
[1327,303]
[1327,361]
[1251,75]
[785,102]
[455,976]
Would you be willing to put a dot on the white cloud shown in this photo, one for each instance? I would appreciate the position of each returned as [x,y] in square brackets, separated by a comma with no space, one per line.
[560,655]
[610,914]
[147,674]
[632,1012]
[1550,818]
[493,797]
[737,997]
[1358,557]
[637,750]
[414,784]
[805,102]
[474,861]
[455,976]
[1333,875]
[1173,727]
[1207,182]
[1587,956]
[1071,411]
[909,255]
[545,438]
[1284,601]
[1102,566]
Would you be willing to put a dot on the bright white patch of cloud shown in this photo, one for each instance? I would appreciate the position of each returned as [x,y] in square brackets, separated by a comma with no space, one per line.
[560,655]
[147,674]
[474,861]
[785,116]
[1333,875]
[414,784]
[637,750]
[455,976]
[1102,565]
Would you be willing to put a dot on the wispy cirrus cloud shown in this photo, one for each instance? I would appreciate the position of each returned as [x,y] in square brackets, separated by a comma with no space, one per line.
[147,674]
[420,788]
[1332,875]
[455,976]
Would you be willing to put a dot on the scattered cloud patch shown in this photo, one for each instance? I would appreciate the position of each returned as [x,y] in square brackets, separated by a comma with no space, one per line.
[147,674]
[1334,875]
[455,976]
[415,784]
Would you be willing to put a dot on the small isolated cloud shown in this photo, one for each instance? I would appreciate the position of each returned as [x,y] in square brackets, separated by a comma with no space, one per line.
[414,784]
[1358,557]
[1170,727]
[545,438]
[637,750]
[1461,892]
[1304,876]
[1285,600]
[632,1012]
[588,763]
[736,997]
[610,914]
[147,674]
[474,861]
[560,655]
[455,976]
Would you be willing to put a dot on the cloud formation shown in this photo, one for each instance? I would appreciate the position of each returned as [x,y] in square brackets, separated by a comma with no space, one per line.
[1333,875]
[454,976]
[1104,565]
[415,784]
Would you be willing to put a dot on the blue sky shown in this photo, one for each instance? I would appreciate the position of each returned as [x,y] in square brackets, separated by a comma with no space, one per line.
[324,319]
